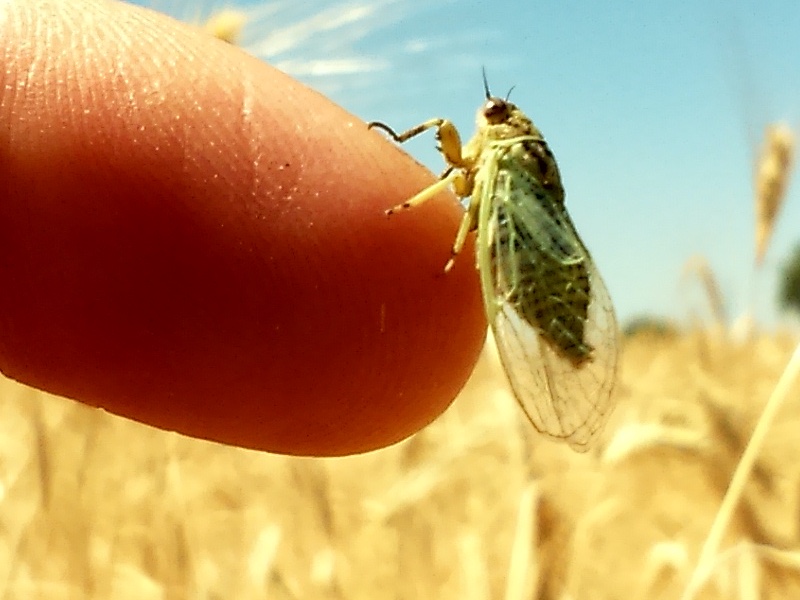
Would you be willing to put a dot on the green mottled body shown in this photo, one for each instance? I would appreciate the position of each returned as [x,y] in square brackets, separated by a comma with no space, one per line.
[547,282]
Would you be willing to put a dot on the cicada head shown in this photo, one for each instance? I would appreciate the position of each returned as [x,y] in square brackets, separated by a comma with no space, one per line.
[499,119]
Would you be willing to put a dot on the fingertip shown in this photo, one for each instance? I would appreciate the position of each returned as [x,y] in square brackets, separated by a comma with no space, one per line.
[202,244]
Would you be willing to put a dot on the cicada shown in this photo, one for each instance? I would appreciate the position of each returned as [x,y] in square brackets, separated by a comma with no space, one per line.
[549,310]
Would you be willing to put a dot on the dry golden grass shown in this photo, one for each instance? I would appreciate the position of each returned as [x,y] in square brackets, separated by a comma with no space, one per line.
[226,25]
[697,267]
[475,506]
[772,171]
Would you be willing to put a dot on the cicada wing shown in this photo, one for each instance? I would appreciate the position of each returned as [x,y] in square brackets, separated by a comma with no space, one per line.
[550,312]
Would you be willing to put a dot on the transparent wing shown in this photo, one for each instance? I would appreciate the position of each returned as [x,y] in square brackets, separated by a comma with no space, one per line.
[549,309]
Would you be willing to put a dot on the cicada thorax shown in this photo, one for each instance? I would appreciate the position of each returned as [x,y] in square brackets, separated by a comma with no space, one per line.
[548,278]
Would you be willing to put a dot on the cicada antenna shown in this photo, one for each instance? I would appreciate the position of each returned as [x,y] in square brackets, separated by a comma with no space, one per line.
[486,83]
[486,86]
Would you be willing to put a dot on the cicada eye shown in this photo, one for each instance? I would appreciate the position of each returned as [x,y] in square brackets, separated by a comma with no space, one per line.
[495,110]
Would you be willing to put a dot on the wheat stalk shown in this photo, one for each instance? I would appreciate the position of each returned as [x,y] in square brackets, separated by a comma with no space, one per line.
[789,377]
[771,179]
[699,267]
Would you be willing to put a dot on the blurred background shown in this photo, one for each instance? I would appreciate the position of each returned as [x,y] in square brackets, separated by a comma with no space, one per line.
[657,114]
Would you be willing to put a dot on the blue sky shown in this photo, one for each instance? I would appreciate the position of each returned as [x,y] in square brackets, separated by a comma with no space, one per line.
[654,112]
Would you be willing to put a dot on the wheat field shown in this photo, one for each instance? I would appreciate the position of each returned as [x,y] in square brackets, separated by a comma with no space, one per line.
[474,506]
[477,506]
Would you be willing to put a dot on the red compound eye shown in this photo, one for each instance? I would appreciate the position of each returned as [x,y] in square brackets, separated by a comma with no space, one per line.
[495,110]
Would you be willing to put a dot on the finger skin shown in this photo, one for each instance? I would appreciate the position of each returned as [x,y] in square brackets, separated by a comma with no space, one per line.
[193,240]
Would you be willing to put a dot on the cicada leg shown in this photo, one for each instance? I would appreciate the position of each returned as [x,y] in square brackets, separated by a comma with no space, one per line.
[457,175]
[446,134]
[469,222]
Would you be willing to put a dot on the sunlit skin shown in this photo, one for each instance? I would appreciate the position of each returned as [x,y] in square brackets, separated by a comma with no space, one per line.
[192,239]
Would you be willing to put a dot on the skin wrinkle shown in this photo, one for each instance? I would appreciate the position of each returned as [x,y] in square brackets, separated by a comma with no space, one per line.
[24,118]
[35,59]
[249,127]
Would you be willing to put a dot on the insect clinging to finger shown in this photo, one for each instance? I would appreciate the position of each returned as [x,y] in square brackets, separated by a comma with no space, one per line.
[550,312]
